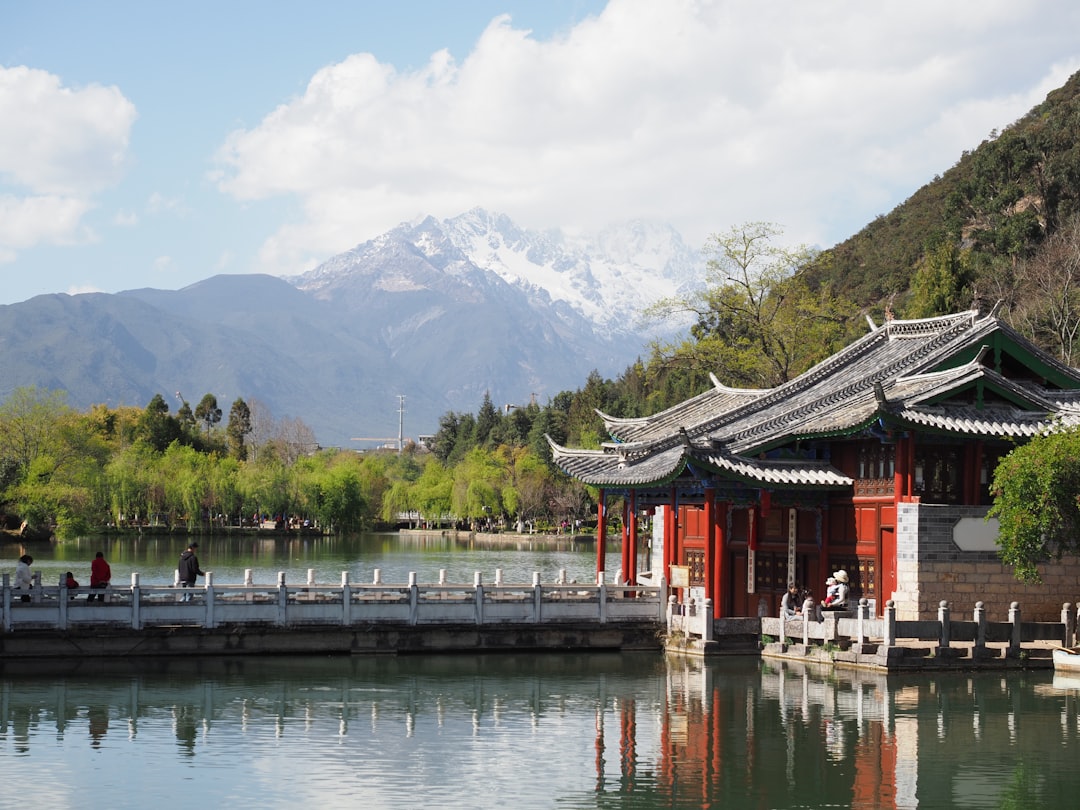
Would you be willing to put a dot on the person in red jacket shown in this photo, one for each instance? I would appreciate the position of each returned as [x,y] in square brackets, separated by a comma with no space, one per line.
[100,574]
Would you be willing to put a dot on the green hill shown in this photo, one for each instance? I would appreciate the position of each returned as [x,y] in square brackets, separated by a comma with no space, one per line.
[995,208]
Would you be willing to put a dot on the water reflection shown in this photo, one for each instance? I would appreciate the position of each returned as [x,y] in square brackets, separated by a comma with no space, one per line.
[627,730]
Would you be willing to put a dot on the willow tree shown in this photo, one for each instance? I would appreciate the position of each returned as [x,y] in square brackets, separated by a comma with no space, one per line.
[1036,491]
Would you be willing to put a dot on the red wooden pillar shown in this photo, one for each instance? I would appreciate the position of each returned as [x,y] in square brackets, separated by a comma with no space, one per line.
[632,551]
[624,563]
[710,553]
[665,511]
[976,478]
[911,465]
[720,595]
[675,558]
[601,532]
[901,481]
[824,569]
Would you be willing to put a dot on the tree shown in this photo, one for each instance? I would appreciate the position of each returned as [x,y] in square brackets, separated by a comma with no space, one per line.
[1046,299]
[943,283]
[487,420]
[208,412]
[156,427]
[1036,491]
[238,429]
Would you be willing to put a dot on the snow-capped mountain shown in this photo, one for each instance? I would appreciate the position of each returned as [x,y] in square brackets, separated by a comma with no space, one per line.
[606,278]
[440,312]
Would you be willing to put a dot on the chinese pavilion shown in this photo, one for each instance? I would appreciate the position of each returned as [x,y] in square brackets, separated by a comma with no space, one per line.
[877,461]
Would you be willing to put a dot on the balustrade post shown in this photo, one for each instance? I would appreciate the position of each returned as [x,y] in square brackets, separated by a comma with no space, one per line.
[249,582]
[1016,637]
[376,577]
[562,577]
[442,576]
[863,617]
[414,598]
[311,576]
[136,602]
[211,619]
[478,585]
[980,626]
[282,600]
[498,578]
[1069,621]
[35,588]
[944,622]
[601,593]
[62,600]
[807,609]
[707,632]
[5,609]
[672,607]
[890,623]
[537,597]
[346,599]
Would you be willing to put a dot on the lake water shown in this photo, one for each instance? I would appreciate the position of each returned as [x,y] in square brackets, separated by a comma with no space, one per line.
[531,731]
[567,730]
[154,557]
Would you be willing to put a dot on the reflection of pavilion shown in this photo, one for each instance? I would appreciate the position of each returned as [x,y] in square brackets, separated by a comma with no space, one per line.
[785,735]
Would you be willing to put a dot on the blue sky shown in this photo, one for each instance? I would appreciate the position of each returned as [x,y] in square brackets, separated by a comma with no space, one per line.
[156,144]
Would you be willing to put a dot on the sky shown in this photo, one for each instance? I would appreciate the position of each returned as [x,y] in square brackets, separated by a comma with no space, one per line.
[155,144]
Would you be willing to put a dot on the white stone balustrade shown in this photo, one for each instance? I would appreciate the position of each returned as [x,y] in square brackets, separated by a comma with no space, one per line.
[214,604]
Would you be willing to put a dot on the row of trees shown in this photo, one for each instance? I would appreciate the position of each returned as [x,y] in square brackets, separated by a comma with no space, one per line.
[77,471]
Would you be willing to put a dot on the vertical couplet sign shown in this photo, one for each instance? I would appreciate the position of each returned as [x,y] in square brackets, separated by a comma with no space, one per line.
[751,551]
[792,514]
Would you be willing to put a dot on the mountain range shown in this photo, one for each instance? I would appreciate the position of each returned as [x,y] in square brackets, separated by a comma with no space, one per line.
[439,312]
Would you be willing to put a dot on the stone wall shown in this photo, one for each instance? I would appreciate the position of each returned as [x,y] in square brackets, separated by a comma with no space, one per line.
[947,552]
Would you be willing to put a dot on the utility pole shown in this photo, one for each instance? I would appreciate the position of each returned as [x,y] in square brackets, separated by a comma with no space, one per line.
[401,423]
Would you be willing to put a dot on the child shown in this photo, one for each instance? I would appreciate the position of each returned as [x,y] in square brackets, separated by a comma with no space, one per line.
[832,589]
[70,583]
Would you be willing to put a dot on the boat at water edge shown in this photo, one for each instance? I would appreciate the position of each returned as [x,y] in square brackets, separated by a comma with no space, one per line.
[1067,659]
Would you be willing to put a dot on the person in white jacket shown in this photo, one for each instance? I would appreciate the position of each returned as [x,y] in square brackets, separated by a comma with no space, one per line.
[24,580]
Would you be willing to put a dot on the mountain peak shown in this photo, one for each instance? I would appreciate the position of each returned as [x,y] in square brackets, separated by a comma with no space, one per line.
[606,278]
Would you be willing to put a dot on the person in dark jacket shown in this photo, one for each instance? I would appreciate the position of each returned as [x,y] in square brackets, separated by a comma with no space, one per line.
[100,574]
[188,569]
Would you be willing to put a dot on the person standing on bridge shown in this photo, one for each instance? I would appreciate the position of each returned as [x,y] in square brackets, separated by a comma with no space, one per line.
[24,580]
[100,574]
[188,570]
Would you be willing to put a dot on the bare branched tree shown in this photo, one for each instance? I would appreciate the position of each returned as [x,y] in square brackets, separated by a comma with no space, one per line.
[1046,306]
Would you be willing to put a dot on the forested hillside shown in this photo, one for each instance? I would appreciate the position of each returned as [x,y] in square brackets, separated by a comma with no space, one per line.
[967,232]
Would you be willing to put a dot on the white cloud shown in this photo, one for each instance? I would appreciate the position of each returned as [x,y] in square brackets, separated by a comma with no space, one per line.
[158,203]
[705,114]
[59,147]
[126,219]
[27,221]
[163,264]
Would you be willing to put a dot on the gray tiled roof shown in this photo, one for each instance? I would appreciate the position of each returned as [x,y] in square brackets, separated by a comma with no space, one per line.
[893,373]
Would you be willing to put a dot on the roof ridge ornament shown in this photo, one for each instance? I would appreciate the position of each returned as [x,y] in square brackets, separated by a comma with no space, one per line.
[685,437]
[879,394]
